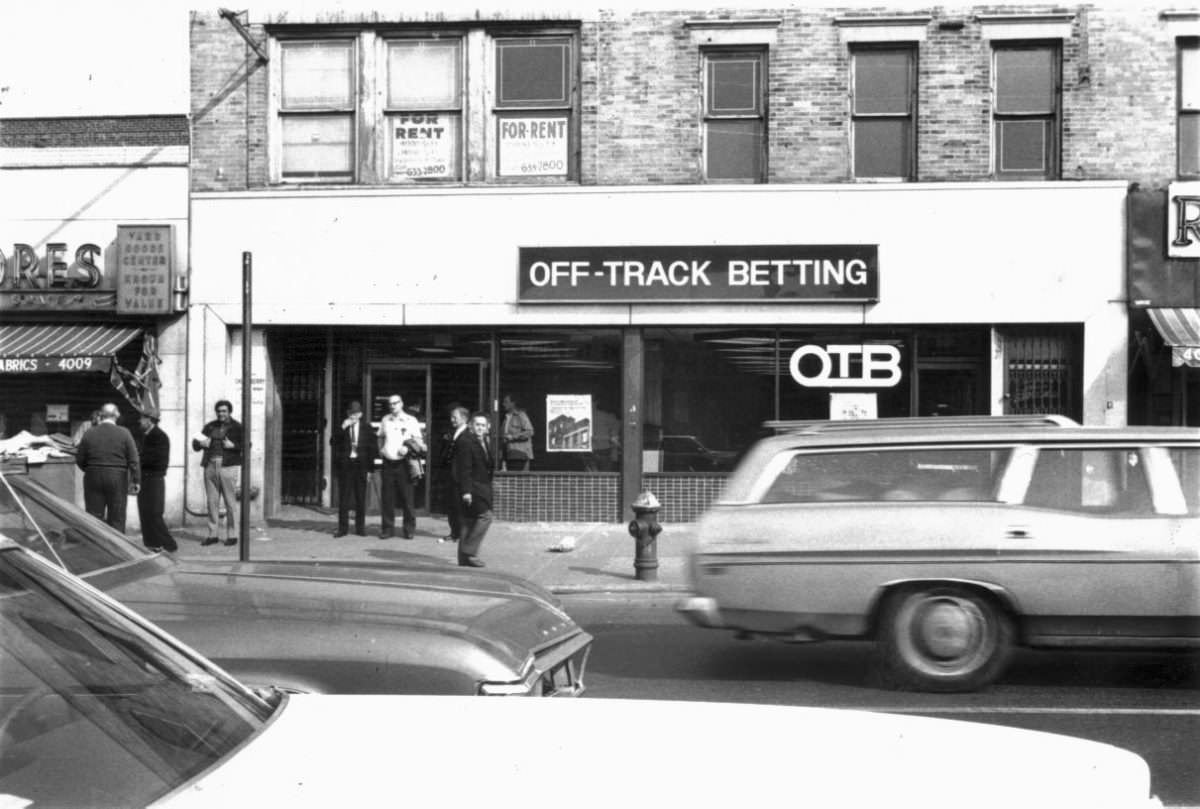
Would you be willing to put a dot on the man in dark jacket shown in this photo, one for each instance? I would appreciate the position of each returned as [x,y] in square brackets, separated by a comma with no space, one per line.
[108,457]
[156,457]
[473,479]
[354,452]
[222,442]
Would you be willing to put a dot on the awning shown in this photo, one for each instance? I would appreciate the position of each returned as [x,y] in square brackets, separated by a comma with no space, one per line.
[1180,329]
[32,348]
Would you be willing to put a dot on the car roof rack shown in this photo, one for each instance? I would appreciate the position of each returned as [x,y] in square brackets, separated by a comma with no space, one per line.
[921,422]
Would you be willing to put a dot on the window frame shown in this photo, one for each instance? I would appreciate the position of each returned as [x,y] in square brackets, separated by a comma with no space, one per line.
[760,114]
[282,113]
[499,110]
[1182,113]
[1052,120]
[388,112]
[910,50]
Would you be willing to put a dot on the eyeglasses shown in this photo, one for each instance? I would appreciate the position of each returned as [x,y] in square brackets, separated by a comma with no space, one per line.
[395,402]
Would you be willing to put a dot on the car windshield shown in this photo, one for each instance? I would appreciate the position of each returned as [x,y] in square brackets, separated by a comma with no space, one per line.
[96,708]
[59,530]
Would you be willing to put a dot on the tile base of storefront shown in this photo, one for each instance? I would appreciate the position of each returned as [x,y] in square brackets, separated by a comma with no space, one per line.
[594,497]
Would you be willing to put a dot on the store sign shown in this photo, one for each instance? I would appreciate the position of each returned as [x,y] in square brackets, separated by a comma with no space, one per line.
[703,274]
[532,147]
[63,277]
[54,365]
[846,366]
[1183,220]
[145,269]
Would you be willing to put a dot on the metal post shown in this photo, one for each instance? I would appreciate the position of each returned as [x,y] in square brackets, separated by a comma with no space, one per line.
[247,324]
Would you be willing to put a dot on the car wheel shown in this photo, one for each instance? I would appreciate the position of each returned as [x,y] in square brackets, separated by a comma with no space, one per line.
[944,639]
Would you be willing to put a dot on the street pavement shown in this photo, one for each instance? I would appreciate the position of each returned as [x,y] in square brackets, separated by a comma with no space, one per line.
[563,557]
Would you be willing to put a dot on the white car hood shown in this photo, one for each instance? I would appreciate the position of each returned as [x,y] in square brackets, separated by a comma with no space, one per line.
[492,752]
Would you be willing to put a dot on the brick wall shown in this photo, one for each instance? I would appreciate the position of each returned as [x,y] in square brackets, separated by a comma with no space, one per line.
[595,497]
[92,131]
[640,96]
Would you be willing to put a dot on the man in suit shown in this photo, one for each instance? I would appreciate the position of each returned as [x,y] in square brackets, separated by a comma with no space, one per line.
[354,451]
[151,498]
[459,416]
[473,479]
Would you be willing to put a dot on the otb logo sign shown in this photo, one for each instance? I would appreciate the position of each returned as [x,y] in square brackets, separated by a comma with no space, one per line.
[846,366]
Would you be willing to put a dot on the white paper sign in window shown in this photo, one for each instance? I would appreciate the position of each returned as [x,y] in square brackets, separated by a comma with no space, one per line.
[424,145]
[533,146]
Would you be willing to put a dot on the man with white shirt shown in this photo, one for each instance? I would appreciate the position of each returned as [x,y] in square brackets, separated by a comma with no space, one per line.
[399,434]
[354,451]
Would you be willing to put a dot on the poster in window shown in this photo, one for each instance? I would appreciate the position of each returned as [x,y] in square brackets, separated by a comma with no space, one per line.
[424,146]
[145,269]
[533,146]
[569,423]
[851,406]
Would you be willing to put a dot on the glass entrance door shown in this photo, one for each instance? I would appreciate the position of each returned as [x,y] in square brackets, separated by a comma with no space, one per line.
[429,391]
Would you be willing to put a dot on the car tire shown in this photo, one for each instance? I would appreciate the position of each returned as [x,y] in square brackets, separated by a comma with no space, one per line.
[943,638]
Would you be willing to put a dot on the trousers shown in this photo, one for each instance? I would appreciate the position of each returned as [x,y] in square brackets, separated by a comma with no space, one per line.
[220,483]
[106,494]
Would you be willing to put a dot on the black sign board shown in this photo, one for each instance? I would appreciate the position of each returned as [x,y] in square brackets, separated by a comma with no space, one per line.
[786,273]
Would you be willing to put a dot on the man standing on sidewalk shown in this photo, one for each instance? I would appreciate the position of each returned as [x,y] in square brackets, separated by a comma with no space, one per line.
[399,434]
[354,451]
[222,442]
[111,468]
[473,479]
[151,499]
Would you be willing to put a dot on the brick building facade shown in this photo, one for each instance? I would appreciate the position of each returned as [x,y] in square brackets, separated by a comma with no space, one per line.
[981,155]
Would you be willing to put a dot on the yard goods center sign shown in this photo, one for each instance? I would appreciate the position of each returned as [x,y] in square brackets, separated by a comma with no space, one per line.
[785,273]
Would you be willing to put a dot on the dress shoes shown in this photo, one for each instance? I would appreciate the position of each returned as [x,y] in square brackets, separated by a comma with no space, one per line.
[448,539]
[362,532]
[386,535]
[470,561]
[210,541]
[231,541]
[170,547]
[339,533]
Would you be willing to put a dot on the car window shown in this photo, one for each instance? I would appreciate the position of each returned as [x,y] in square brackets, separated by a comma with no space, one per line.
[60,531]
[1186,462]
[890,474]
[1110,480]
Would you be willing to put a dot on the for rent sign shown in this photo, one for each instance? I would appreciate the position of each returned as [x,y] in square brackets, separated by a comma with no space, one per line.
[711,274]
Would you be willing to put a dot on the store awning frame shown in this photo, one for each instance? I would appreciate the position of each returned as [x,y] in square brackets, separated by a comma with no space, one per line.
[1180,329]
[53,348]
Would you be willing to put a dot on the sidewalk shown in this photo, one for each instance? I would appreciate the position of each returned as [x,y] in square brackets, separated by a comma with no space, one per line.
[601,559]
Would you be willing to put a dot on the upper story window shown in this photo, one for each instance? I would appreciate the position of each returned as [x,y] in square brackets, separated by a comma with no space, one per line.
[533,106]
[424,109]
[317,111]
[735,120]
[378,106]
[883,103]
[1025,111]
[1189,108]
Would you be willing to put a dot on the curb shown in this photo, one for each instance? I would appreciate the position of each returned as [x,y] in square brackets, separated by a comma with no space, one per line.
[649,588]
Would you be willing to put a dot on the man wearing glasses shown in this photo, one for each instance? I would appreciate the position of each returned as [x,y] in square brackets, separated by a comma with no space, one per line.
[399,435]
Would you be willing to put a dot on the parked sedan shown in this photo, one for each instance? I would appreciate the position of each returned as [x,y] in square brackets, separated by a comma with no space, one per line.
[317,627]
[951,542]
[99,707]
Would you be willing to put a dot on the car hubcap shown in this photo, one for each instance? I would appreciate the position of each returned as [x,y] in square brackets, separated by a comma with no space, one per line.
[949,629]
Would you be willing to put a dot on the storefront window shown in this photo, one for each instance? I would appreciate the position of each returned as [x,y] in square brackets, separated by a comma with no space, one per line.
[707,393]
[569,384]
[838,374]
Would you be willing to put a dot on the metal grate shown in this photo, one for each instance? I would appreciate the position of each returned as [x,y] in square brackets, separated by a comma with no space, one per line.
[1041,371]
[301,392]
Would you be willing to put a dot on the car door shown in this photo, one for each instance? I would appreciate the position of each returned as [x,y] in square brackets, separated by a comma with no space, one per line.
[1101,543]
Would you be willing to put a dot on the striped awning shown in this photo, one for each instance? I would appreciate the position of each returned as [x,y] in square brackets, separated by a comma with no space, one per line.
[1180,329]
[61,348]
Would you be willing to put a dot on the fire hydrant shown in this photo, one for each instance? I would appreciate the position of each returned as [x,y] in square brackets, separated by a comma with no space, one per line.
[644,528]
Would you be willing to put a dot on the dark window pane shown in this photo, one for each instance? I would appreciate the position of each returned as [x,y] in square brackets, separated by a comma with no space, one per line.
[1022,146]
[1025,80]
[881,147]
[734,150]
[1189,144]
[733,86]
[533,73]
[881,82]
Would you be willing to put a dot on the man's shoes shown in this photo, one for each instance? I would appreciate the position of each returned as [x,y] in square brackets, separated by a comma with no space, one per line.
[408,534]
[449,538]
[210,541]
[386,535]
[339,533]
[170,547]
[362,532]
[470,561]
[231,541]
